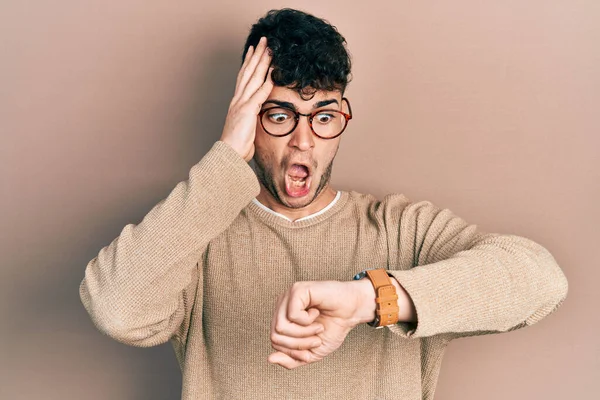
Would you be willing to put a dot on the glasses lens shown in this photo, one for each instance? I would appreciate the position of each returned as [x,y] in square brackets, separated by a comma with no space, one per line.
[278,121]
[329,123]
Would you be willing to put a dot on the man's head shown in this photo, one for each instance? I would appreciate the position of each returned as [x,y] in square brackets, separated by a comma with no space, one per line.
[311,73]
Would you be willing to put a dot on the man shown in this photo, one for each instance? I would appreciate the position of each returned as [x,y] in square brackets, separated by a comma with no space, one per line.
[238,267]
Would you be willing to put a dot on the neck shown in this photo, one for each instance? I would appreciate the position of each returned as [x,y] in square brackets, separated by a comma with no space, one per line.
[320,202]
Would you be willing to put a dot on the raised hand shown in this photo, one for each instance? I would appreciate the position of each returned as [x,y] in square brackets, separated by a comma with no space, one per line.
[251,90]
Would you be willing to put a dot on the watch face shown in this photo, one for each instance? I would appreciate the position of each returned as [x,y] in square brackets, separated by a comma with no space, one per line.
[359,276]
[362,274]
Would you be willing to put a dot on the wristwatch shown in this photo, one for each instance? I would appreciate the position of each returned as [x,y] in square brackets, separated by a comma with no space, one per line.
[386,298]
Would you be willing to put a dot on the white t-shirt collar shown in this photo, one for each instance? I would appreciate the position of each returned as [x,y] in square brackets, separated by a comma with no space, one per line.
[337,196]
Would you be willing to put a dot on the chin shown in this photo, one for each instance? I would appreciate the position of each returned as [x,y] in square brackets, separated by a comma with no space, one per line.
[296,201]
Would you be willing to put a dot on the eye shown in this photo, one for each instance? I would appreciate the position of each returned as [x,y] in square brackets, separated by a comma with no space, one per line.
[324,118]
[279,116]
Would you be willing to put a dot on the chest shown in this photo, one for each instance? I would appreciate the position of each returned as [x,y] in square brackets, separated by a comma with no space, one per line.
[260,261]
[248,266]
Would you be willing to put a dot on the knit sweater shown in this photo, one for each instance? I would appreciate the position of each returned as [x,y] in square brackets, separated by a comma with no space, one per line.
[204,267]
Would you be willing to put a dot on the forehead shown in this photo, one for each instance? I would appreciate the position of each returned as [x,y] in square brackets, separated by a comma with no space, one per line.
[283,93]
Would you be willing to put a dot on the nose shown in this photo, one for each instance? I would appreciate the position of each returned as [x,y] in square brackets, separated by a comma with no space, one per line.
[302,137]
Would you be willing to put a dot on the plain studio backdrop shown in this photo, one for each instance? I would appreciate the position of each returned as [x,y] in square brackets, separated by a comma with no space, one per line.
[489,109]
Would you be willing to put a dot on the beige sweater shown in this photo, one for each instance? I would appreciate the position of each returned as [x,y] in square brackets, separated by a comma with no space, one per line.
[205,265]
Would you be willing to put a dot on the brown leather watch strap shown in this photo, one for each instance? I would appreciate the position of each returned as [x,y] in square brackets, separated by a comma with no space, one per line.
[386,298]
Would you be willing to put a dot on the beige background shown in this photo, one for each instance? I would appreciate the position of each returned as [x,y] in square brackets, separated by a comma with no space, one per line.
[487,108]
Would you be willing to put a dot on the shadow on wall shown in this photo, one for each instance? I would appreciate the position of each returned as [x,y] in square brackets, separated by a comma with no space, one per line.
[54,328]
[208,106]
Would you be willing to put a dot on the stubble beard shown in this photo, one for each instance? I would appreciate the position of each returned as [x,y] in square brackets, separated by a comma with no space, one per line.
[264,173]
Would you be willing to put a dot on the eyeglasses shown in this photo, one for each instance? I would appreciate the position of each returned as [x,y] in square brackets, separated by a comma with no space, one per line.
[326,124]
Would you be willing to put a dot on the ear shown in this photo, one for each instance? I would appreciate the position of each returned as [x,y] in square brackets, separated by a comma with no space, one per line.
[346,106]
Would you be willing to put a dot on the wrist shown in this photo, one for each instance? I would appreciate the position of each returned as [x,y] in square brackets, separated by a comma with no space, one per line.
[234,146]
[366,305]
[407,311]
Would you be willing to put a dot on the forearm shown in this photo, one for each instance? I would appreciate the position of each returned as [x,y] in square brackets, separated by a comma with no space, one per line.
[500,283]
[135,284]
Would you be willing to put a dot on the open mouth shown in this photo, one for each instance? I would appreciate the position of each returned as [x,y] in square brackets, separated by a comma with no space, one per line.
[297,180]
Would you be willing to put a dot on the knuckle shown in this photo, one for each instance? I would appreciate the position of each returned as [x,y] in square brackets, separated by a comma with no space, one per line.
[233,106]
[247,108]
[280,327]
[301,355]
[310,357]
[296,316]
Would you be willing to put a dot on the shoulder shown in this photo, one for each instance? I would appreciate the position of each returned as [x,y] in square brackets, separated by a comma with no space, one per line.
[394,207]
[394,203]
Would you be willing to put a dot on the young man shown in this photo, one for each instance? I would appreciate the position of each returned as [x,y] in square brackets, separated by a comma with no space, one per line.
[249,271]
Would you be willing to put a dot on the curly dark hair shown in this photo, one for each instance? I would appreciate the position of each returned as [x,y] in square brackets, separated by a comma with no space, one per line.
[308,52]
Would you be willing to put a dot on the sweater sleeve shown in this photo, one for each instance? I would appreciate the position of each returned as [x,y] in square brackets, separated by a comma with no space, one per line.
[140,288]
[465,282]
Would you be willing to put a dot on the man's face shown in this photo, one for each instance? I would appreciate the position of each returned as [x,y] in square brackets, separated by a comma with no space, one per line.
[278,159]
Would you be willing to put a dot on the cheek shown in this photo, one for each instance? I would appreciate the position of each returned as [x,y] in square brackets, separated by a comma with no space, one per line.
[262,142]
[269,146]
[328,155]
[265,151]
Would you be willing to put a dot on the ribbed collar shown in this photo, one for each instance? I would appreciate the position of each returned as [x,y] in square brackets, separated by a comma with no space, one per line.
[271,218]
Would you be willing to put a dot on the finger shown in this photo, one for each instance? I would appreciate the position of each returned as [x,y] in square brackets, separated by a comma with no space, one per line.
[240,77]
[297,331]
[249,53]
[258,77]
[262,94]
[303,343]
[254,60]
[298,355]
[305,356]
[285,360]
[282,326]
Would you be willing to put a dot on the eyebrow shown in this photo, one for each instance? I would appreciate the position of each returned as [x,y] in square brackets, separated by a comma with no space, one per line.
[287,104]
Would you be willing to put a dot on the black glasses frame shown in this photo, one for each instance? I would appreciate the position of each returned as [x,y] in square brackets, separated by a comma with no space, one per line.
[310,119]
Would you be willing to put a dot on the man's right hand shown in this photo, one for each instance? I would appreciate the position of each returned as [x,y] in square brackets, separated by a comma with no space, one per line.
[251,91]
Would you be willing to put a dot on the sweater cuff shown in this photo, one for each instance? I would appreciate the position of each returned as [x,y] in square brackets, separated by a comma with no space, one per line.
[235,180]
[421,284]
[413,287]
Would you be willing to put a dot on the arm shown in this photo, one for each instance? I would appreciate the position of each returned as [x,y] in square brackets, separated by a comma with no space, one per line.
[141,288]
[449,277]
[138,288]
[466,282]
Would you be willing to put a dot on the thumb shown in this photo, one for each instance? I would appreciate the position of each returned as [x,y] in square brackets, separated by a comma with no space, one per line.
[312,314]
